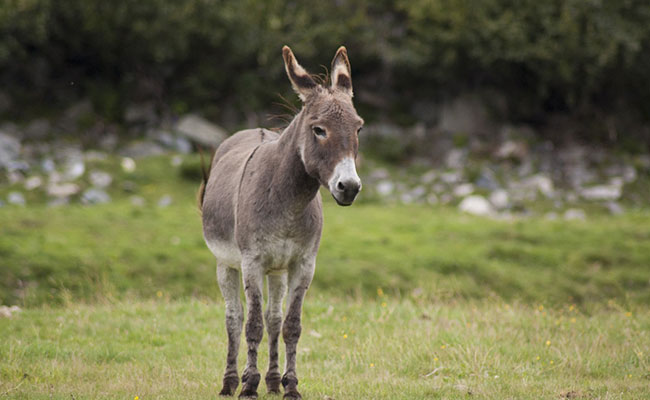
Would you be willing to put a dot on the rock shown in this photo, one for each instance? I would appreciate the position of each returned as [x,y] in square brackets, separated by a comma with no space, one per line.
[451,177]
[9,149]
[428,177]
[33,182]
[142,149]
[614,208]
[512,150]
[629,174]
[487,180]
[602,192]
[171,141]
[165,201]
[48,166]
[542,183]
[432,198]
[74,169]
[95,196]
[463,190]
[551,216]
[8,312]
[385,188]
[62,190]
[137,201]
[456,158]
[500,199]
[108,141]
[466,114]
[128,165]
[100,179]
[575,214]
[476,205]
[15,177]
[16,198]
[37,129]
[144,113]
[413,195]
[200,130]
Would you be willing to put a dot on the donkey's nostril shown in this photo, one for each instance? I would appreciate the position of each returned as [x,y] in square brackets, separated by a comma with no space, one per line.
[340,186]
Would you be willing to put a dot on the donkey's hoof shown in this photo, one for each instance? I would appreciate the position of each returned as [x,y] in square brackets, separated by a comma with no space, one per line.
[273,383]
[248,393]
[292,395]
[230,384]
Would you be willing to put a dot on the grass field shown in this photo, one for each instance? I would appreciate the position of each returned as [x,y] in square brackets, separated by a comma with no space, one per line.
[408,302]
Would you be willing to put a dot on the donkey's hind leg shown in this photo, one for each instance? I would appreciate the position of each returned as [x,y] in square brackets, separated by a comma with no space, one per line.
[228,279]
[277,285]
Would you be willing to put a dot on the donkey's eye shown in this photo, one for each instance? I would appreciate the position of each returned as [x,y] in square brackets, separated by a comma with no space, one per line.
[318,131]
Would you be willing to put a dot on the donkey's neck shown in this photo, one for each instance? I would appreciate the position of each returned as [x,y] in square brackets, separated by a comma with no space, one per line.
[292,183]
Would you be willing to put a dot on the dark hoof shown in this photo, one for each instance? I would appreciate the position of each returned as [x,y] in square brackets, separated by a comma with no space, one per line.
[292,394]
[273,383]
[248,393]
[230,384]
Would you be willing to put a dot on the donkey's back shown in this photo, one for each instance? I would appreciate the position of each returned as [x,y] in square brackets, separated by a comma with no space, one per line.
[220,192]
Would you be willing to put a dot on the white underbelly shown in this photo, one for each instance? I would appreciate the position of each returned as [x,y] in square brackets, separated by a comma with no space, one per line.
[226,253]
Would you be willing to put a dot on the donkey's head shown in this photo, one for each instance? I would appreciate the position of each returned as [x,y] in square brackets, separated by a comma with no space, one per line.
[329,127]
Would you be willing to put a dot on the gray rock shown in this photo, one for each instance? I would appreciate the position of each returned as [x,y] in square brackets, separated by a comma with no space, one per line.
[62,190]
[48,166]
[142,149]
[542,183]
[165,201]
[575,214]
[487,180]
[602,192]
[451,177]
[500,199]
[476,205]
[429,177]
[128,164]
[463,190]
[16,198]
[432,198]
[95,196]
[171,141]
[74,168]
[9,149]
[200,130]
[100,179]
[37,129]
[144,113]
[614,208]
[512,150]
[385,188]
[33,182]
[456,158]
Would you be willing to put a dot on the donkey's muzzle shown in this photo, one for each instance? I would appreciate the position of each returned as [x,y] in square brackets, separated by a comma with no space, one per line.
[346,191]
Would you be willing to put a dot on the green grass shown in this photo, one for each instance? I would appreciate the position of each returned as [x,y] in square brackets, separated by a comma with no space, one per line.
[384,349]
[122,301]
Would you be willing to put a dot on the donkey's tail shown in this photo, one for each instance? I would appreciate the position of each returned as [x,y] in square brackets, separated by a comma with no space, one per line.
[204,181]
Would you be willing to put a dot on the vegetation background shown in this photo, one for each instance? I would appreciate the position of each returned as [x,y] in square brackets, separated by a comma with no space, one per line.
[107,290]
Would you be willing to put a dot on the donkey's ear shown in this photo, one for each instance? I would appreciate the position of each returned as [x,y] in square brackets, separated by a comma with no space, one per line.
[341,75]
[302,83]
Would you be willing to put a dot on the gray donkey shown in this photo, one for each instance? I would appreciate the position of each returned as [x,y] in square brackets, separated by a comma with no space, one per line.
[262,215]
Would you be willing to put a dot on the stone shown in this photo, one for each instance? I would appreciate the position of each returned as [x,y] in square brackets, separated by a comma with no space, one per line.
[74,169]
[16,198]
[100,179]
[429,177]
[614,208]
[499,199]
[385,188]
[141,149]
[463,190]
[143,113]
[476,205]
[95,196]
[432,198]
[128,164]
[33,182]
[165,201]
[602,192]
[9,149]
[456,158]
[542,183]
[171,141]
[62,190]
[575,214]
[37,129]
[512,150]
[48,166]
[8,312]
[487,180]
[451,177]
[200,130]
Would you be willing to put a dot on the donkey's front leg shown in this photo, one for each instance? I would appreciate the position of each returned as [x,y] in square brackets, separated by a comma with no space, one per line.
[300,276]
[253,277]
[277,285]
[228,279]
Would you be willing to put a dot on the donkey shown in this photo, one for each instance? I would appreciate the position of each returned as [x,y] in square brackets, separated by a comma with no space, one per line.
[262,215]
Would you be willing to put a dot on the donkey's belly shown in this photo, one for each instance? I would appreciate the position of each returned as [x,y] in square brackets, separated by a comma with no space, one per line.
[226,253]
